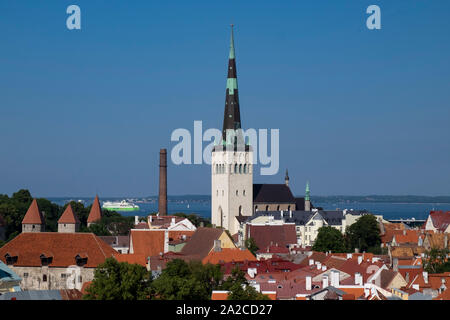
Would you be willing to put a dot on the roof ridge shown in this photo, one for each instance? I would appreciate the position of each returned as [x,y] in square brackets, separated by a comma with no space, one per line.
[95,238]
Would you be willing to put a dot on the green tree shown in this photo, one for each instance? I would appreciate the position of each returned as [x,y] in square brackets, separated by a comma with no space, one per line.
[436,261]
[364,234]
[329,239]
[250,244]
[115,280]
[186,281]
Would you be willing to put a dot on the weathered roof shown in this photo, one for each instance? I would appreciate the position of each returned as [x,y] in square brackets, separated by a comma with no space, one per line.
[202,242]
[6,274]
[264,236]
[96,211]
[62,247]
[68,216]
[116,241]
[440,219]
[386,277]
[272,193]
[33,215]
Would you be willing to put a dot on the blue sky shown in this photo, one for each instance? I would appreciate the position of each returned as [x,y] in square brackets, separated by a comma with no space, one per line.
[359,111]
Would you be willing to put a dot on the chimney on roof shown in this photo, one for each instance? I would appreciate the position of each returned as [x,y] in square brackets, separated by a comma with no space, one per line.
[360,259]
[335,278]
[324,281]
[349,255]
[217,245]
[324,268]
[358,279]
[162,201]
[290,214]
[404,232]
[395,265]
[311,262]
[425,276]
[319,266]
[150,219]
[172,222]
[308,283]
[136,220]
[148,264]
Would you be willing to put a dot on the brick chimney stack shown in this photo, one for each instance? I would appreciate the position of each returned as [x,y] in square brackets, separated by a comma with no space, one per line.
[162,203]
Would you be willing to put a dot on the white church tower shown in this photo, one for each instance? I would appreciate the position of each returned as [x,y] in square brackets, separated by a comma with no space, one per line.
[231,162]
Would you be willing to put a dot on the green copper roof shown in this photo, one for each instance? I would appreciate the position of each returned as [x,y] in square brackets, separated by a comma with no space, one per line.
[231,56]
[307,191]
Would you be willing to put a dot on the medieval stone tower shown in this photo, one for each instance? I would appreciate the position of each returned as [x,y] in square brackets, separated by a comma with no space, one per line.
[231,161]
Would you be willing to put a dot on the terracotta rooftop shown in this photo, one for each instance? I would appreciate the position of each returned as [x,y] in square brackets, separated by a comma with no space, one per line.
[33,215]
[96,211]
[219,295]
[228,255]
[407,236]
[139,259]
[147,242]
[62,247]
[69,217]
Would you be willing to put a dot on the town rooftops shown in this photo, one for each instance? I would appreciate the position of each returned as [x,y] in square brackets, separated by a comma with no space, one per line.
[147,242]
[116,241]
[68,216]
[95,214]
[272,193]
[33,215]
[59,249]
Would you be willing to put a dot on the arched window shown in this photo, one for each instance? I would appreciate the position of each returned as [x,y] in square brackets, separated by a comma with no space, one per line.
[289,208]
[240,210]
[44,278]
[240,168]
[278,208]
[243,193]
[267,208]
[245,168]
[256,208]
[235,168]
[236,193]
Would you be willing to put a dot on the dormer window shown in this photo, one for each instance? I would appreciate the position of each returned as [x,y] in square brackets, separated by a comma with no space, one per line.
[81,260]
[10,260]
[45,261]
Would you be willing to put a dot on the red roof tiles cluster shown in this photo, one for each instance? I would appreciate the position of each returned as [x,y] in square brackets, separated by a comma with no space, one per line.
[147,242]
[440,220]
[228,255]
[62,247]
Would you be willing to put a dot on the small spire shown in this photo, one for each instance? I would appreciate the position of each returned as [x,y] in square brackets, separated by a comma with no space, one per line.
[232,55]
[307,191]
[286,178]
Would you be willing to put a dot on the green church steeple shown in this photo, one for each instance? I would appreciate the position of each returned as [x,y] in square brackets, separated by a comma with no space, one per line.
[307,191]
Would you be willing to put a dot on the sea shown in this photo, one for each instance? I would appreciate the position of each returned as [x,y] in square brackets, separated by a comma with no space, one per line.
[201,205]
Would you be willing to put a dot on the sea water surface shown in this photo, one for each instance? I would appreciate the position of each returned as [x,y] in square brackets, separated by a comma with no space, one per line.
[419,211]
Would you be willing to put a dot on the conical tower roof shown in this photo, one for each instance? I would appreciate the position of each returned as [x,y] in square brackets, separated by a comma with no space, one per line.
[69,217]
[33,215]
[96,211]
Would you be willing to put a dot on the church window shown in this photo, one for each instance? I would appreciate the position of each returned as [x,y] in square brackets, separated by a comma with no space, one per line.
[236,193]
[243,193]
[240,168]
[240,210]
[235,168]
[245,168]
[44,278]
[278,208]
[267,208]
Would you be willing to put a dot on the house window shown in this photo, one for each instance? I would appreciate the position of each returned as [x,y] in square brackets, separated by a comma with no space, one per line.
[63,275]
[237,192]
[25,275]
[44,278]
[267,208]
[80,279]
[243,193]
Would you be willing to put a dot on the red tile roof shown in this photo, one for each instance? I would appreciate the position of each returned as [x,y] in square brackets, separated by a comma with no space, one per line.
[132,259]
[265,236]
[33,215]
[96,211]
[407,236]
[62,247]
[274,249]
[440,219]
[228,255]
[147,242]
[219,295]
[445,295]
[164,222]
[69,217]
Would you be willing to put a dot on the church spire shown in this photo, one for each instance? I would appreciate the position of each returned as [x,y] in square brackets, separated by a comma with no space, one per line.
[286,178]
[232,117]
[307,191]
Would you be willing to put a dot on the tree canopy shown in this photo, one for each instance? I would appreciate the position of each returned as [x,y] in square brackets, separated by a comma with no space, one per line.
[436,261]
[115,280]
[364,234]
[329,239]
